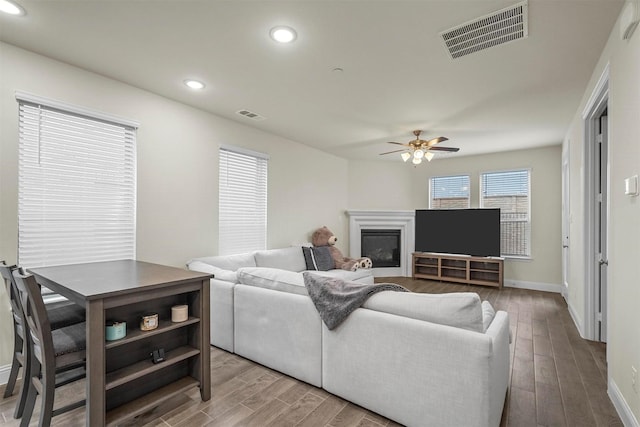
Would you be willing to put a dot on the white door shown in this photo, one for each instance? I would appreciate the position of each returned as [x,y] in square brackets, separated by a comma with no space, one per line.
[601,224]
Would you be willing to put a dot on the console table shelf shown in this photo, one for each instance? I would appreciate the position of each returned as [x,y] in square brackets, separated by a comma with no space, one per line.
[146,367]
[485,271]
[149,401]
[134,334]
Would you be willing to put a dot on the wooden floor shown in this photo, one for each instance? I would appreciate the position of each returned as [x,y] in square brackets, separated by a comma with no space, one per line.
[558,379]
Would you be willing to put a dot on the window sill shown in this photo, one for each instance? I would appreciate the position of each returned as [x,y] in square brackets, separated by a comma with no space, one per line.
[517,257]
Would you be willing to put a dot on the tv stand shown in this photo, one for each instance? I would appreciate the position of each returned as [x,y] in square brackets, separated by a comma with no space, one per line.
[471,270]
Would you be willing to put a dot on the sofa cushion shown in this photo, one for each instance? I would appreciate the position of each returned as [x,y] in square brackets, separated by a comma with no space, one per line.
[353,276]
[462,310]
[290,258]
[335,299]
[318,258]
[228,262]
[273,278]
[218,273]
[488,313]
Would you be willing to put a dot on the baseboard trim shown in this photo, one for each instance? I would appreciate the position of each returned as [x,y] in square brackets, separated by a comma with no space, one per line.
[623,409]
[4,373]
[534,286]
[574,316]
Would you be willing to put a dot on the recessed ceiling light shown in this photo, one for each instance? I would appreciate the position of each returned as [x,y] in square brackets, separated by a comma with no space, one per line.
[283,34]
[11,8]
[194,84]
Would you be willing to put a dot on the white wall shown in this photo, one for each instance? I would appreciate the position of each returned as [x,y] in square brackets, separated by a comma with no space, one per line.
[177,168]
[623,347]
[380,185]
[397,185]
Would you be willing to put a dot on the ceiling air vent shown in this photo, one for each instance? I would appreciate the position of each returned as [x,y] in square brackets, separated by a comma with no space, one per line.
[503,26]
[251,115]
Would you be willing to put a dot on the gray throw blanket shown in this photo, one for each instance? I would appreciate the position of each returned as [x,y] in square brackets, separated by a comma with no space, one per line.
[335,299]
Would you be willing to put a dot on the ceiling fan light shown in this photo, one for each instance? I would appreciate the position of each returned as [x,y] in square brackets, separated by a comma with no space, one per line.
[405,156]
[418,154]
[429,156]
[416,161]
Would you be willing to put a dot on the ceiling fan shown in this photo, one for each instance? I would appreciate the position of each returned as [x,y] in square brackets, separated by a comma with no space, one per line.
[421,149]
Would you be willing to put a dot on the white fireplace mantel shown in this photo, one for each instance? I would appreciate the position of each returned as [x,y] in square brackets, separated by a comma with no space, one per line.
[384,220]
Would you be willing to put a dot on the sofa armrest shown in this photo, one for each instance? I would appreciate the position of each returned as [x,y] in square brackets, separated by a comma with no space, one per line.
[228,262]
[220,303]
[222,322]
[499,365]
[218,273]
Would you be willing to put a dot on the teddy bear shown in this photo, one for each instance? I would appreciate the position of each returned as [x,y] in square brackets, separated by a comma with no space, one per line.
[325,237]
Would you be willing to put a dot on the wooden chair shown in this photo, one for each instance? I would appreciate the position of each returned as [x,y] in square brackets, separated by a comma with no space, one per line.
[56,357]
[60,315]
[18,341]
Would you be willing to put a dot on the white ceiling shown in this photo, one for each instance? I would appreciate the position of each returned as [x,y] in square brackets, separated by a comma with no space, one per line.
[397,75]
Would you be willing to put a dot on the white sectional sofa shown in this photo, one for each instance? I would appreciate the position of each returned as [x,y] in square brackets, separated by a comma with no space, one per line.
[418,359]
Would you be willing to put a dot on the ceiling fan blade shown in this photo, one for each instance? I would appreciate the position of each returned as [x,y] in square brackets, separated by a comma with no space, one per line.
[389,152]
[434,141]
[397,143]
[450,149]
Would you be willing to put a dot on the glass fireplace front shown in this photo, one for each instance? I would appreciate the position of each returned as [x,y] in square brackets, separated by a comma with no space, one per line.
[382,246]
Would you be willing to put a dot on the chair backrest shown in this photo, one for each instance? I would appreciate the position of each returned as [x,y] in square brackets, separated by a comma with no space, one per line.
[35,316]
[14,299]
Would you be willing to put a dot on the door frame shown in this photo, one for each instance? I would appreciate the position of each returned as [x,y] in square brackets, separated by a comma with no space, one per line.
[594,108]
[566,217]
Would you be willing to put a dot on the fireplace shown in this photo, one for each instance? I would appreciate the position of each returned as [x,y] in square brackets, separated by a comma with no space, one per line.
[382,246]
[402,222]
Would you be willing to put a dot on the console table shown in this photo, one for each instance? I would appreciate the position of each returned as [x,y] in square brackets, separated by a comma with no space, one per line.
[485,271]
[122,381]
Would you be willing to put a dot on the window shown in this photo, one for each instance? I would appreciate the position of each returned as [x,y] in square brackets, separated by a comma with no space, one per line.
[76,185]
[449,192]
[509,191]
[242,225]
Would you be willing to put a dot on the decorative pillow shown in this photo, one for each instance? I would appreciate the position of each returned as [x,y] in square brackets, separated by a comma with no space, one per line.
[318,258]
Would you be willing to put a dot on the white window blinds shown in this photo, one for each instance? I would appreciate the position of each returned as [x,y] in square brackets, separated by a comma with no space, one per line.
[76,187]
[449,192]
[242,201]
[510,191]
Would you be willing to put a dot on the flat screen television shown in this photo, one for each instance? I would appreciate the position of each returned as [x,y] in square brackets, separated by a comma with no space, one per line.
[458,231]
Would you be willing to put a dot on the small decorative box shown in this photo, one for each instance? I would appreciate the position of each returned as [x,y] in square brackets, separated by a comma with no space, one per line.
[115,330]
[179,313]
[149,322]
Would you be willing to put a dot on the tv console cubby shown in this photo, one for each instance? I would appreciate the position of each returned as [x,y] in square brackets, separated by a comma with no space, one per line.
[471,270]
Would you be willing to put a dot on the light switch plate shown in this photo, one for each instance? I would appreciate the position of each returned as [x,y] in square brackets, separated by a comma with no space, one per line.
[631,186]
